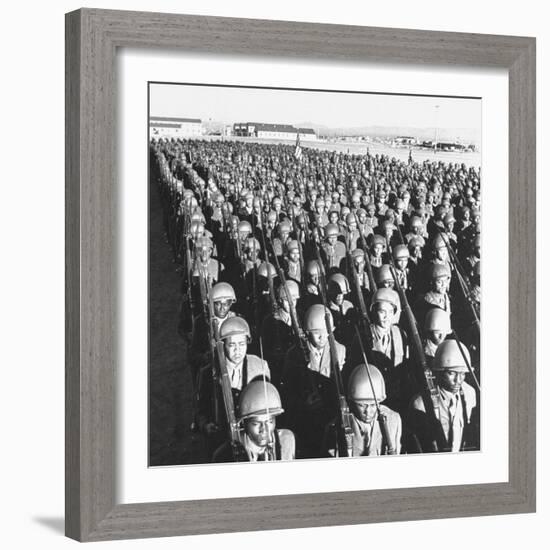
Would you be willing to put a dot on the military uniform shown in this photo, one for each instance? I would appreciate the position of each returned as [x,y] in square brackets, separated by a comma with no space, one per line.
[284,448]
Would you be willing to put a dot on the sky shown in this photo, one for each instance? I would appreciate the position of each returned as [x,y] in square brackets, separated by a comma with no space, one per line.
[335,110]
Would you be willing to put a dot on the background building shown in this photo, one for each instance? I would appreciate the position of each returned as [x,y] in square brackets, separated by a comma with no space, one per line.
[175,127]
[272,131]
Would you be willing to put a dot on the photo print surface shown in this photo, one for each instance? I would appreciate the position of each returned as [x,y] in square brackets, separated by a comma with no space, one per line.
[314,274]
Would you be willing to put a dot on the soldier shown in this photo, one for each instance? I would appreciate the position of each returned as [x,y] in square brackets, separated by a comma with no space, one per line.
[279,242]
[437,326]
[376,252]
[312,294]
[417,230]
[457,401]
[333,251]
[342,310]
[389,347]
[358,259]
[376,428]
[259,405]
[405,278]
[277,335]
[292,266]
[242,369]
[437,295]
[364,228]
[311,399]
[371,219]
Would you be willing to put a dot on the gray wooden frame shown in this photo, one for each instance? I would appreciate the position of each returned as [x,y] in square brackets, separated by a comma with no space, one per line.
[92,39]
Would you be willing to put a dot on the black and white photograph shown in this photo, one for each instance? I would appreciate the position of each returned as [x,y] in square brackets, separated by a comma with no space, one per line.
[314,274]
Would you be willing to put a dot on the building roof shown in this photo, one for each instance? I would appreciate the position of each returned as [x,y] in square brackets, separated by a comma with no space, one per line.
[163,125]
[156,119]
[268,127]
[307,131]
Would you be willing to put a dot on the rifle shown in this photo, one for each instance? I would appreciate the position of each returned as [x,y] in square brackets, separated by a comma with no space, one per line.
[462,281]
[345,414]
[206,293]
[370,274]
[235,439]
[430,396]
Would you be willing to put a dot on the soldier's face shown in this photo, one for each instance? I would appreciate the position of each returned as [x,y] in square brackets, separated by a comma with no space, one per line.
[314,277]
[221,308]
[436,336]
[362,218]
[387,283]
[440,284]
[338,298]
[364,409]
[260,430]
[451,380]
[205,254]
[235,347]
[401,263]
[332,240]
[441,253]
[294,255]
[377,250]
[318,338]
[359,263]
[384,314]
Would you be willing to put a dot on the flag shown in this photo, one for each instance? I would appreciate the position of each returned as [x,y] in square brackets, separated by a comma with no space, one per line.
[298,149]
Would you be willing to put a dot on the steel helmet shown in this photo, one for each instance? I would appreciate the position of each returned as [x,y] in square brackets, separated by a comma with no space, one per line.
[285,225]
[204,242]
[400,251]
[197,216]
[388,225]
[399,204]
[439,270]
[292,245]
[378,239]
[361,212]
[271,216]
[449,218]
[416,221]
[244,227]
[384,274]
[259,398]
[359,384]
[319,202]
[416,241]
[263,270]
[439,242]
[313,267]
[314,319]
[293,289]
[223,291]
[386,295]
[438,319]
[252,244]
[338,284]
[331,230]
[358,253]
[449,357]
[196,228]
[276,200]
[344,210]
[234,326]
[351,219]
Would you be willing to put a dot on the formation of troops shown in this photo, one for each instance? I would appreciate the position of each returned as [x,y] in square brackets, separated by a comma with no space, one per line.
[331,302]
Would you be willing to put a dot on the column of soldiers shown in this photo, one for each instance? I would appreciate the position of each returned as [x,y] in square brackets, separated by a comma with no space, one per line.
[330,302]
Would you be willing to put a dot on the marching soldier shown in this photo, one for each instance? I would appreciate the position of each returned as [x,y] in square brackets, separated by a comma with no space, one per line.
[342,310]
[333,251]
[457,401]
[259,406]
[293,268]
[376,428]
[311,398]
[437,326]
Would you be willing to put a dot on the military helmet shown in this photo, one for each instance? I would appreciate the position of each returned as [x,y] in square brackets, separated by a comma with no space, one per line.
[285,225]
[234,326]
[449,218]
[293,289]
[314,319]
[416,241]
[416,221]
[439,270]
[313,267]
[338,284]
[263,270]
[331,230]
[400,251]
[223,291]
[197,216]
[358,253]
[196,228]
[377,239]
[360,385]
[244,227]
[438,319]
[386,295]
[252,244]
[259,398]
[277,200]
[361,212]
[384,274]
[272,216]
[292,245]
[204,242]
[439,242]
[449,357]
[387,225]
[351,219]
[319,202]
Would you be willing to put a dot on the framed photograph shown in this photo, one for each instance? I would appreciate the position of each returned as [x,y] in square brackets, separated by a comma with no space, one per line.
[274,255]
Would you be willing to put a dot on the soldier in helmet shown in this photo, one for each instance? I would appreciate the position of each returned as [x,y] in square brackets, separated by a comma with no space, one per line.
[359,263]
[277,335]
[439,277]
[389,347]
[404,275]
[280,241]
[376,428]
[223,297]
[312,293]
[311,399]
[351,235]
[342,310]
[457,402]
[242,369]
[259,405]
[416,231]
[333,252]
[292,266]
[371,218]
[437,326]
[376,252]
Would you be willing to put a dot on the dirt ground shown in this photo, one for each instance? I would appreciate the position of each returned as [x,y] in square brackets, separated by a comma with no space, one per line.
[171,440]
